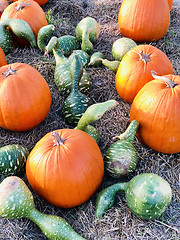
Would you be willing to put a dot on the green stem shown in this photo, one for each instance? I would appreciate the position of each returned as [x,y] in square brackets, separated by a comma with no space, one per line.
[106,197]
[130,131]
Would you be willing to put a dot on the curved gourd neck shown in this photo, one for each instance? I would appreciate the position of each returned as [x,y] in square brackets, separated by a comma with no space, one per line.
[112,65]
[76,71]
[86,44]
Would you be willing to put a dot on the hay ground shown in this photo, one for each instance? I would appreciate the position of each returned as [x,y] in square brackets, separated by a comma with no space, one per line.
[118,222]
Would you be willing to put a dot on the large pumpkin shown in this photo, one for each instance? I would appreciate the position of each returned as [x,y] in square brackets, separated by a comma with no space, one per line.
[65,167]
[135,68]
[25,97]
[144,20]
[3,60]
[29,11]
[156,108]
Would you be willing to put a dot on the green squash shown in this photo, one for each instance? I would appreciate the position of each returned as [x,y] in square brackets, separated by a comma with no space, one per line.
[13,159]
[96,59]
[121,157]
[147,196]
[16,201]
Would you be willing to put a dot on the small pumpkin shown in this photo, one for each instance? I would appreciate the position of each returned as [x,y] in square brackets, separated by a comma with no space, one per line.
[134,70]
[3,60]
[65,167]
[25,97]
[29,11]
[144,20]
[156,108]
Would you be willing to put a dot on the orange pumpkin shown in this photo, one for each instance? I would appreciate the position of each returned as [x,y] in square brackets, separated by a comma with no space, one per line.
[144,20]
[25,97]
[2,58]
[3,5]
[65,167]
[40,2]
[134,70]
[170,2]
[29,11]
[156,108]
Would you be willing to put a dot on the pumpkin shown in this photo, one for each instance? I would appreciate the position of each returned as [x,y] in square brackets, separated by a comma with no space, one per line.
[134,70]
[16,201]
[25,97]
[40,2]
[65,167]
[147,196]
[29,11]
[144,20]
[3,5]
[156,108]
[3,60]
[170,2]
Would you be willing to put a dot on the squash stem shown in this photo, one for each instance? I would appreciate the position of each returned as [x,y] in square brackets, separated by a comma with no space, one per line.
[58,140]
[143,57]
[20,6]
[169,83]
[130,131]
[106,197]
[9,72]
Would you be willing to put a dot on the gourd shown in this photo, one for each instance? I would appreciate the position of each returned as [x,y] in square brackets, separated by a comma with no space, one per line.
[29,11]
[156,108]
[16,201]
[3,5]
[96,59]
[44,35]
[65,167]
[134,70]
[13,159]
[147,196]
[83,57]
[62,75]
[87,32]
[25,97]
[76,103]
[19,28]
[3,60]
[121,157]
[147,21]
[94,113]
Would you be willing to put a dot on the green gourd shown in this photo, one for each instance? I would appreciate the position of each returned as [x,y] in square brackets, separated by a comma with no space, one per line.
[147,196]
[20,28]
[83,56]
[121,157]
[87,32]
[62,75]
[16,201]
[44,35]
[93,113]
[96,59]
[13,159]
[76,103]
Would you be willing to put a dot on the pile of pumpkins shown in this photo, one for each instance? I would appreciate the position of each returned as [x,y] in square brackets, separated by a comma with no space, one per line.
[66,166]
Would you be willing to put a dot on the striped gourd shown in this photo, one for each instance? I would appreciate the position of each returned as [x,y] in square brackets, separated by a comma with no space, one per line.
[76,103]
[13,159]
[147,196]
[121,157]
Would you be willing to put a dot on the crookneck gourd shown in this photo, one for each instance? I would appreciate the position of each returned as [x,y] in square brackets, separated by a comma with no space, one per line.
[87,32]
[121,157]
[147,196]
[16,201]
[13,159]
[20,28]
[62,70]
[94,113]
[76,103]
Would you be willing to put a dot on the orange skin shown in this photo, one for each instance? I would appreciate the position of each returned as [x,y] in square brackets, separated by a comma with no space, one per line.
[144,20]
[134,72]
[2,58]
[69,174]
[170,2]
[156,108]
[40,2]
[25,98]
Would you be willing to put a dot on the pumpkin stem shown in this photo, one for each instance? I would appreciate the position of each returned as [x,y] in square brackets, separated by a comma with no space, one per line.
[169,83]
[58,141]
[20,6]
[144,57]
[9,72]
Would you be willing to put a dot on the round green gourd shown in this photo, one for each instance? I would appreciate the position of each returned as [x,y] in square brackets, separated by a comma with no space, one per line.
[147,196]
[121,157]
[76,103]
[13,159]
[68,44]
[16,201]
[20,28]
[62,70]
[87,31]
[93,113]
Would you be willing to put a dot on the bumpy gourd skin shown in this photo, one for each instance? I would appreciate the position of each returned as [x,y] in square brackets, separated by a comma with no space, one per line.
[16,201]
